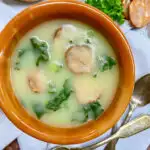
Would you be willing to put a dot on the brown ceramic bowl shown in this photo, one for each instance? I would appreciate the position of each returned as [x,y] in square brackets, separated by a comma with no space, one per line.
[49,10]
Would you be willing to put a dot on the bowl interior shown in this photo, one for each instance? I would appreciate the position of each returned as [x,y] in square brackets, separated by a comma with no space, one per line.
[24,22]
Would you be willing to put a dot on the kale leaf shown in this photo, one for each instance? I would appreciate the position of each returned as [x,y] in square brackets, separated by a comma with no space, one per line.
[92,110]
[20,53]
[88,111]
[41,49]
[55,103]
[38,109]
[105,62]
[112,8]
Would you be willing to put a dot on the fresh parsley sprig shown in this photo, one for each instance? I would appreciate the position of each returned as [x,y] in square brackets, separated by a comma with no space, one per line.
[112,8]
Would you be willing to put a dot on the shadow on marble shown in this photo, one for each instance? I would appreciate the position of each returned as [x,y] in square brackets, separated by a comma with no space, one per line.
[15,2]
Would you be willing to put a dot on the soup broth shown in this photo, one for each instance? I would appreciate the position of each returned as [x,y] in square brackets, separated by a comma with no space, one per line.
[64,73]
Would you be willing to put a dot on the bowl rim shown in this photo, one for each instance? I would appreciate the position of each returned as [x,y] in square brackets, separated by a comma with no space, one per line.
[26,128]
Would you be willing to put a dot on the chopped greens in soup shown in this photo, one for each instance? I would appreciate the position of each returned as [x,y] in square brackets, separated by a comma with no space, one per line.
[64,73]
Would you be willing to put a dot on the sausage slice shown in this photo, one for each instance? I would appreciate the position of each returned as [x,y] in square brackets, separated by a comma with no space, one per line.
[137,12]
[35,81]
[79,59]
[148,9]
[126,4]
[57,33]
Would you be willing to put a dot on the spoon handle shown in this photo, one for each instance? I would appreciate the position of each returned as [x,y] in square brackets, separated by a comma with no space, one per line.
[133,127]
[132,108]
[112,144]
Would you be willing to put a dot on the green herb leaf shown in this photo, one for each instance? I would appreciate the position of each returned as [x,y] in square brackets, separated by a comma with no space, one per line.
[95,74]
[55,66]
[106,63]
[55,103]
[41,49]
[67,86]
[38,109]
[87,41]
[112,8]
[96,109]
[20,53]
[90,33]
[70,41]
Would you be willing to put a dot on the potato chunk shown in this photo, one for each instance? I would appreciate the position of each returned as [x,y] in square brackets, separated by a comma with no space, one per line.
[36,82]
[86,89]
[79,59]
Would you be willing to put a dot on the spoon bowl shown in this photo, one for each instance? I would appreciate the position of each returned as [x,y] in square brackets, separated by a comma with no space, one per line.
[141,94]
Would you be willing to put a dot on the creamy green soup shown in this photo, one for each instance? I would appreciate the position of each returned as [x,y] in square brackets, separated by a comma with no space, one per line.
[64,73]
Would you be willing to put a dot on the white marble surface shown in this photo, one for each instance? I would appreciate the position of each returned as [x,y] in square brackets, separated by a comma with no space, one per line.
[140,44]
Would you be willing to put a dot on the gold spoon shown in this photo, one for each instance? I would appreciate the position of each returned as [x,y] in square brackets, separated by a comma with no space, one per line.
[133,127]
[141,97]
